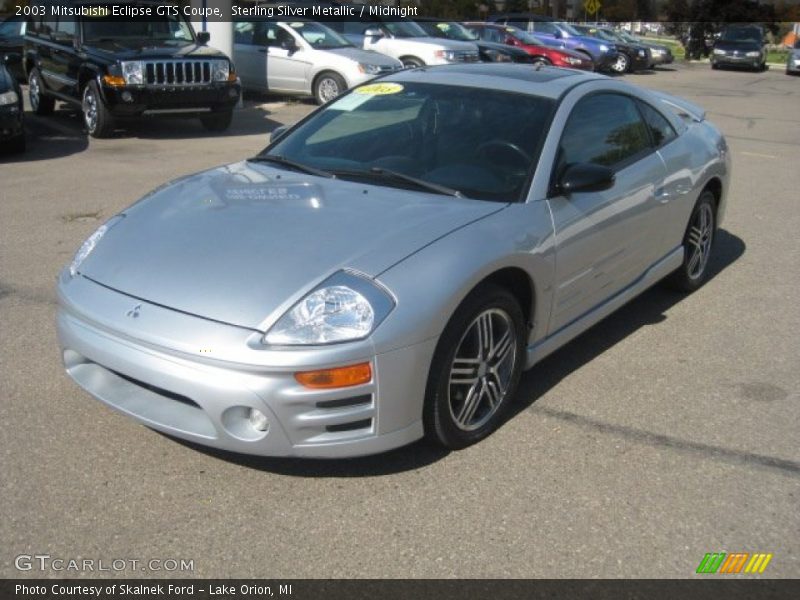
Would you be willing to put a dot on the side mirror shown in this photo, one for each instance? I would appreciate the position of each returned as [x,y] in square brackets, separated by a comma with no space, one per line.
[278,133]
[203,37]
[289,44]
[585,177]
[373,32]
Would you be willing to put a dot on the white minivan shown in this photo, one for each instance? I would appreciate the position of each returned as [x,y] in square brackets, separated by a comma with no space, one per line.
[304,58]
[407,42]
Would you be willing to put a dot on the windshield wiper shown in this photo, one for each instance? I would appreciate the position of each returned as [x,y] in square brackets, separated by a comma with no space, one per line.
[419,183]
[287,162]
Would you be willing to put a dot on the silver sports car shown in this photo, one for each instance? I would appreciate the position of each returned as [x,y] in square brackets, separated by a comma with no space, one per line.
[386,268]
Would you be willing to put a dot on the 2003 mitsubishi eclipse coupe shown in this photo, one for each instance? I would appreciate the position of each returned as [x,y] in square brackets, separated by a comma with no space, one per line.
[386,268]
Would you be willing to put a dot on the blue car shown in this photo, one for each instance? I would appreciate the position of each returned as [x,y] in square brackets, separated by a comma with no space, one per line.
[562,35]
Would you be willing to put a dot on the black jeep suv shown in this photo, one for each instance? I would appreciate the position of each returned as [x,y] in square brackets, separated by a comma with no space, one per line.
[117,68]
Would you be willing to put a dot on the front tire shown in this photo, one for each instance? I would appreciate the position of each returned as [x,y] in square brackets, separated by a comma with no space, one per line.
[475,370]
[698,243]
[217,121]
[622,64]
[328,86]
[412,62]
[17,145]
[41,104]
[98,121]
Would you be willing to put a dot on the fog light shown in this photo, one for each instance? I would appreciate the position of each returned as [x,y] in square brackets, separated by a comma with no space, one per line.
[258,420]
[127,97]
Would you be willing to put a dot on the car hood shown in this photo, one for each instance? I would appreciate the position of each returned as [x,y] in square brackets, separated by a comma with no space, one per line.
[367,56]
[240,242]
[123,49]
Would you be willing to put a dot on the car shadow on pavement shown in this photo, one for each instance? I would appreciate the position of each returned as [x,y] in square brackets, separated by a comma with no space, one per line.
[55,136]
[647,309]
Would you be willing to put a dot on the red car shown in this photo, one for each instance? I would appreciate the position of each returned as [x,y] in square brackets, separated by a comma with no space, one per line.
[540,52]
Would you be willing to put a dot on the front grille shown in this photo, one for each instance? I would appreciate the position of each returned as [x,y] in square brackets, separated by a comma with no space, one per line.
[178,72]
[466,56]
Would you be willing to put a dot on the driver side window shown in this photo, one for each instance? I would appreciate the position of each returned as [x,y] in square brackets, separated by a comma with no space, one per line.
[605,129]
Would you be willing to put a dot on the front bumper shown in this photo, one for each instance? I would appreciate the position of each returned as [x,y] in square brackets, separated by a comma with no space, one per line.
[11,122]
[793,65]
[728,60]
[202,387]
[135,101]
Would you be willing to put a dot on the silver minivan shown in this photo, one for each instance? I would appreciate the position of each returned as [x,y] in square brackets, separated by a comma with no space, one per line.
[304,58]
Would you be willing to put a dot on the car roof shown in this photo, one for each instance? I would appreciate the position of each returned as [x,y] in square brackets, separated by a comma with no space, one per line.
[549,82]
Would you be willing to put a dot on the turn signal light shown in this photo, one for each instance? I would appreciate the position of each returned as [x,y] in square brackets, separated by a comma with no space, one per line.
[114,80]
[335,378]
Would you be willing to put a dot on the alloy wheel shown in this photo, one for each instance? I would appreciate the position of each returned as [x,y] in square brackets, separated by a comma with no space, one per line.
[90,109]
[328,89]
[701,234]
[482,369]
[33,92]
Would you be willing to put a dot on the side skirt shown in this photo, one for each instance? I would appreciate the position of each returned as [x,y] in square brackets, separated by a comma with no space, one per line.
[653,275]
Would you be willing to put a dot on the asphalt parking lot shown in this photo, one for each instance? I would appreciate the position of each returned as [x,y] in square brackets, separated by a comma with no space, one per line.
[668,431]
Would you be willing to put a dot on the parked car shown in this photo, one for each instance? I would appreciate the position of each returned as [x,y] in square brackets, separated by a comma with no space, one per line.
[488,51]
[659,53]
[740,45]
[116,69]
[630,57]
[386,268]
[562,34]
[793,60]
[12,112]
[12,34]
[303,57]
[540,52]
[407,42]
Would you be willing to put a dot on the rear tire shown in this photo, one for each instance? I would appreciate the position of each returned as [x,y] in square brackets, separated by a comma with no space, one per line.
[698,244]
[41,104]
[475,370]
[541,60]
[622,64]
[217,121]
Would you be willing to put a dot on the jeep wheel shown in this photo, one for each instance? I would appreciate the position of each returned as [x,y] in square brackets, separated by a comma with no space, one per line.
[217,121]
[96,118]
[40,103]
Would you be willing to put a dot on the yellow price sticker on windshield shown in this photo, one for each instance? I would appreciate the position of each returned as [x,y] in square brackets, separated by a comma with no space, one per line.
[380,89]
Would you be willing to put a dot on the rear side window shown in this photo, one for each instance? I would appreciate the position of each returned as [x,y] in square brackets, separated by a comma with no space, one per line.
[605,129]
[660,129]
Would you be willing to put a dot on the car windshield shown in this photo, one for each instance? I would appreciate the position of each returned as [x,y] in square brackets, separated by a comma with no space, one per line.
[603,34]
[524,37]
[319,36]
[449,30]
[442,135]
[741,34]
[404,29]
[161,28]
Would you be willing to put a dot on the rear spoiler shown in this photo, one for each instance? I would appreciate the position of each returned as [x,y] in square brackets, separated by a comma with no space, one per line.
[688,111]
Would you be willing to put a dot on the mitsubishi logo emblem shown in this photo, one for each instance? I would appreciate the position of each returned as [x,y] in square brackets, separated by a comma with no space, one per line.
[134,312]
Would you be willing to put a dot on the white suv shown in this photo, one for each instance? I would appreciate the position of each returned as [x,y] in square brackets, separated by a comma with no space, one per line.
[304,58]
[407,42]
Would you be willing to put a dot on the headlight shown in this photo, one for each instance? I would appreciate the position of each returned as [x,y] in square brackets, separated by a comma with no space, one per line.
[753,53]
[133,72]
[656,52]
[448,55]
[369,69]
[7,98]
[718,51]
[572,61]
[345,307]
[220,70]
[641,52]
[90,243]
[603,48]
